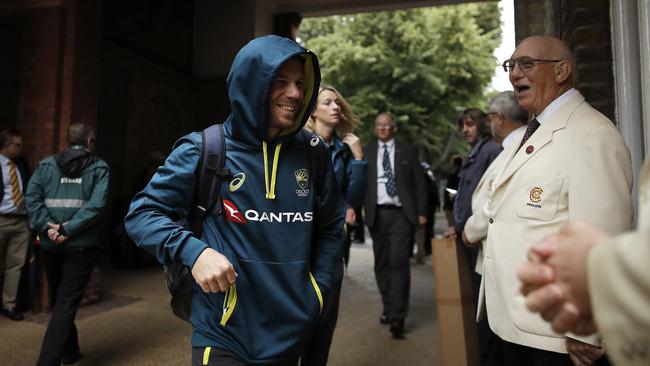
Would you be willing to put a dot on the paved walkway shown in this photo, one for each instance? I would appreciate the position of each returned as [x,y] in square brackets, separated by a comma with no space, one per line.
[133,325]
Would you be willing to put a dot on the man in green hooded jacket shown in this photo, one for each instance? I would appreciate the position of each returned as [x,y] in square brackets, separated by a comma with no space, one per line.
[64,199]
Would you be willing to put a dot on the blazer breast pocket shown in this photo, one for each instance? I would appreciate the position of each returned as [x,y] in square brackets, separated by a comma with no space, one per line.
[538,197]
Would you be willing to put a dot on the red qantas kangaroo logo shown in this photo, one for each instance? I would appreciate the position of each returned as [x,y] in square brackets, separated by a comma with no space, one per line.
[233,214]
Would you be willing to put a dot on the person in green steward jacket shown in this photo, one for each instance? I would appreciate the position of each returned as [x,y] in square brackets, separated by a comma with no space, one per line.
[64,199]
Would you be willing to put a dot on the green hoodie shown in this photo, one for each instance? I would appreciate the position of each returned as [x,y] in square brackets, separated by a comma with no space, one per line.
[71,189]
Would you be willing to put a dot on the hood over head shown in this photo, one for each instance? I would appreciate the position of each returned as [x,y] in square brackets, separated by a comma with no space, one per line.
[249,84]
[74,160]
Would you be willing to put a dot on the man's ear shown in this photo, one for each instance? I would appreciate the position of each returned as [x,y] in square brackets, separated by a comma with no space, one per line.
[562,71]
[90,141]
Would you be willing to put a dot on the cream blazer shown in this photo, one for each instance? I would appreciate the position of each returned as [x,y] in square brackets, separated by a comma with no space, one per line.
[619,286]
[574,167]
[476,226]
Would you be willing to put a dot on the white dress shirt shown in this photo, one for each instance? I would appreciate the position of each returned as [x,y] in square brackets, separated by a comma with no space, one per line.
[557,103]
[382,197]
[7,205]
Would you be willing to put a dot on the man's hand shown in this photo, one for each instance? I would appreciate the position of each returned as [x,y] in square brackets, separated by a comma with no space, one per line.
[450,233]
[467,242]
[350,216]
[422,220]
[213,272]
[53,233]
[555,280]
[583,354]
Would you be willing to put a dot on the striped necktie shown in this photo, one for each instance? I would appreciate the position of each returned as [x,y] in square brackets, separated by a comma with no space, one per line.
[391,187]
[16,194]
[532,127]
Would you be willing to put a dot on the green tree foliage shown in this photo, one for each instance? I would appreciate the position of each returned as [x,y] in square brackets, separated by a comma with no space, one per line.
[423,65]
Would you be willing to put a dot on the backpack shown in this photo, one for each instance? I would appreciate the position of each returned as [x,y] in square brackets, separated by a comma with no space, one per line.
[211,174]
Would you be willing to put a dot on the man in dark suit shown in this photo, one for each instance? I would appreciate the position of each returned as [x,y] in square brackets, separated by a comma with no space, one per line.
[474,126]
[395,203]
[14,228]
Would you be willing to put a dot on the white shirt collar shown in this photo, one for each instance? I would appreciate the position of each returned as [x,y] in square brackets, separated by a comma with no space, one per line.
[511,137]
[4,160]
[390,144]
[557,103]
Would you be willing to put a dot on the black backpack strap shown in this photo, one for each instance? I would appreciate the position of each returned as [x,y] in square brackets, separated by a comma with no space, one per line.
[211,174]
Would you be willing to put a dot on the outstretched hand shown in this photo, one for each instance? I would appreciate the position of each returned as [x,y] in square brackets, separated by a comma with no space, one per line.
[213,271]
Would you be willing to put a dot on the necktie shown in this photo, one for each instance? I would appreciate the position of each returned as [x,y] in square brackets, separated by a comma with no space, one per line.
[391,187]
[16,195]
[532,127]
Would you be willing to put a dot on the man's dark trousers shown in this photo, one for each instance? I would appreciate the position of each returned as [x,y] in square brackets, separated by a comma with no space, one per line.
[489,346]
[68,273]
[392,235]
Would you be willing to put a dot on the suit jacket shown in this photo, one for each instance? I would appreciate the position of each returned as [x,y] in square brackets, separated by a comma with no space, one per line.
[470,174]
[620,294]
[574,167]
[23,169]
[476,227]
[409,177]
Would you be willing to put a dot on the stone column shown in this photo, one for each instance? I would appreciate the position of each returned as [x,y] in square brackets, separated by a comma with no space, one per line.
[58,80]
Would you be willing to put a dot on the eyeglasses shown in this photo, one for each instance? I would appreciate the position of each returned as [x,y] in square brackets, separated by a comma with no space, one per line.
[525,63]
[489,114]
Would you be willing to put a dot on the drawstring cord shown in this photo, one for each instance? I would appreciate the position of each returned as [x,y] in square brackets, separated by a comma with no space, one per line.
[270,188]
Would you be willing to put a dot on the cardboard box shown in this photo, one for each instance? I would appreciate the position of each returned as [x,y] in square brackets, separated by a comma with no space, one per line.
[456,305]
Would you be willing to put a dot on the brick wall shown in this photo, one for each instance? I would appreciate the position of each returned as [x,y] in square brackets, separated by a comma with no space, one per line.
[39,98]
[58,77]
[11,41]
[585,26]
[529,19]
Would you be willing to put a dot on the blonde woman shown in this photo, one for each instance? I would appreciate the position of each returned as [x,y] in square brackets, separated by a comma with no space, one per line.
[333,121]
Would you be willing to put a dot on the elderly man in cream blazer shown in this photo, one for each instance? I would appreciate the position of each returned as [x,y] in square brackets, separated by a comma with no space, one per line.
[565,282]
[571,164]
[508,123]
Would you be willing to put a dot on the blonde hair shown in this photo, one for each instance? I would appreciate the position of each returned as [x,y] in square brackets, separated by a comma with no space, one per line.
[349,120]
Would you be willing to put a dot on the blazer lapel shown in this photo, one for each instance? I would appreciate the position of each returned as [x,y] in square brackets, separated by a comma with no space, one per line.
[371,157]
[540,139]
[516,159]
[398,161]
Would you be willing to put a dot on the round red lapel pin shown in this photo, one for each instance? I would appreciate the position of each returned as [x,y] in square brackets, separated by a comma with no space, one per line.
[530,149]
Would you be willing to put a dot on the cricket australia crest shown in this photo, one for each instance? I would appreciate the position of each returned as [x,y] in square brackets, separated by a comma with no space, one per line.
[302,178]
